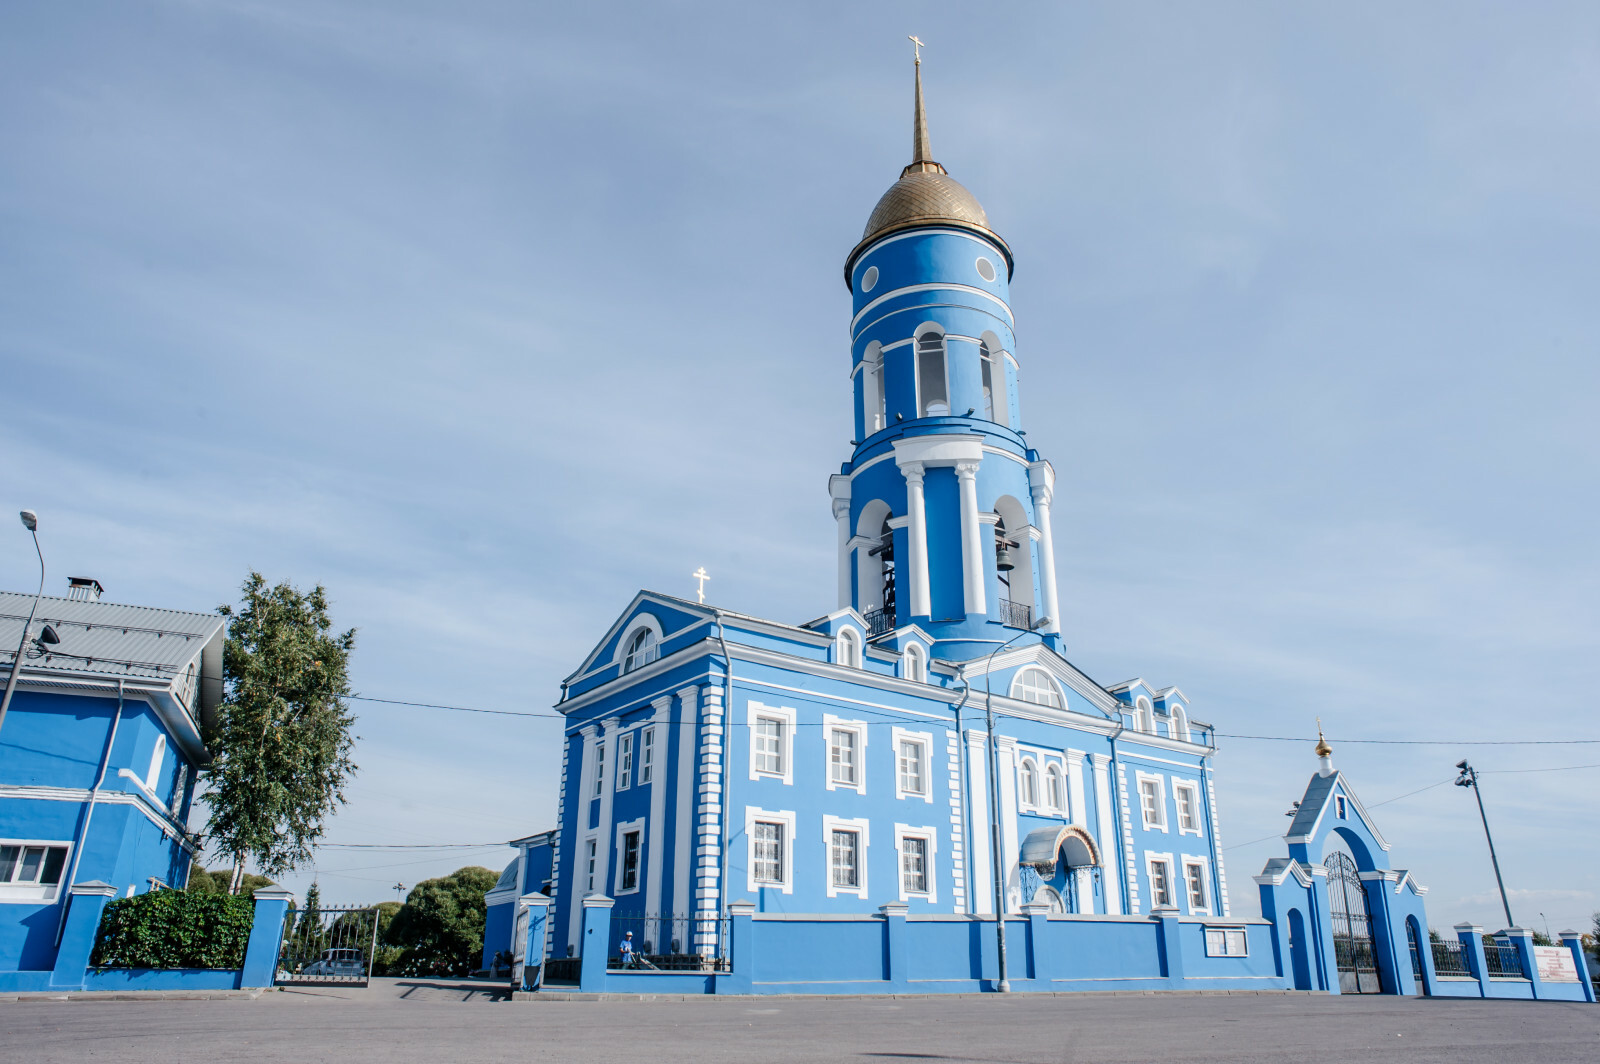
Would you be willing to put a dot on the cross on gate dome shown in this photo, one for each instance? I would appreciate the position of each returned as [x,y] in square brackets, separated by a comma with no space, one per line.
[925,195]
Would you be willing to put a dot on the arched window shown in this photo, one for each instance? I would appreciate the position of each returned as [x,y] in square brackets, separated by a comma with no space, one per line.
[1052,898]
[1144,718]
[159,755]
[643,648]
[847,648]
[874,410]
[991,373]
[933,389]
[1028,783]
[1179,727]
[916,665]
[1034,685]
[1053,791]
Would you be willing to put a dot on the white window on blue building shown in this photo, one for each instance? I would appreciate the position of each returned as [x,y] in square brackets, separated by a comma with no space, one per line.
[1055,794]
[1144,718]
[1186,796]
[624,761]
[1153,802]
[1028,784]
[1194,877]
[915,664]
[845,842]
[156,758]
[913,767]
[643,648]
[769,746]
[599,768]
[31,870]
[847,648]
[933,390]
[986,357]
[591,848]
[767,846]
[1227,942]
[647,755]
[1159,867]
[630,863]
[842,757]
[1035,685]
[914,847]
[771,739]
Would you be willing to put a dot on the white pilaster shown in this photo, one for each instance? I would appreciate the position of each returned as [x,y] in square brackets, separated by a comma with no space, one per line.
[839,489]
[1042,481]
[917,533]
[972,567]
[1076,814]
[584,794]
[1006,754]
[982,871]
[602,868]
[1106,836]
[655,855]
[708,822]
[683,827]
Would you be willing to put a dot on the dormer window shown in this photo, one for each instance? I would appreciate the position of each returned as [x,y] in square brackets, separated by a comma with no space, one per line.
[643,648]
[847,648]
[916,665]
[1144,718]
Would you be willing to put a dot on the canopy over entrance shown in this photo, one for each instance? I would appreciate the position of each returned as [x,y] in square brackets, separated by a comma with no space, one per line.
[1045,846]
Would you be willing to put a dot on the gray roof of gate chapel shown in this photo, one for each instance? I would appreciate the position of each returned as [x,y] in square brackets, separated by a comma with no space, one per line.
[115,640]
[1317,792]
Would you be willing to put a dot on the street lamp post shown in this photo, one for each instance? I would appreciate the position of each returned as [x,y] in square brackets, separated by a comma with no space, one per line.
[1004,984]
[30,521]
[1469,778]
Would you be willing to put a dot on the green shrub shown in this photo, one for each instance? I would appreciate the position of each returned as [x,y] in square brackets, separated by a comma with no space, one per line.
[174,929]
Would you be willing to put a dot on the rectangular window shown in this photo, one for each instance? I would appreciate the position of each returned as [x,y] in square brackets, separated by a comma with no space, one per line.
[599,768]
[766,846]
[769,746]
[1161,884]
[1227,942]
[176,808]
[844,858]
[1195,874]
[914,865]
[988,384]
[1339,807]
[913,767]
[592,853]
[37,864]
[647,755]
[933,392]
[630,860]
[842,767]
[1188,809]
[1153,804]
[877,408]
[624,761]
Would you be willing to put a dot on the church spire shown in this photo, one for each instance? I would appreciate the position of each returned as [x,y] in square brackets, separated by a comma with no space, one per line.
[1324,753]
[921,154]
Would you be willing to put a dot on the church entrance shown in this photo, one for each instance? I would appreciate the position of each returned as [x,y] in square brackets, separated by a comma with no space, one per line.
[1352,927]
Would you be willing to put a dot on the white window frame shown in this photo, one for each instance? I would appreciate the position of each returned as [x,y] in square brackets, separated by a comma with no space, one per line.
[623,829]
[914,663]
[1027,769]
[923,330]
[23,893]
[158,757]
[591,854]
[785,817]
[175,806]
[858,728]
[624,760]
[785,717]
[1226,936]
[1016,684]
[1166,862]
[1160,781]
[1053,771]
[862,826]
[641,620]
[647,755]
[1341,808]
[931,837]
[1178,724]
[925,740]
[1190,861]
[599,768]
[847,644]
[1192,789]
[873,417]
[1144,716]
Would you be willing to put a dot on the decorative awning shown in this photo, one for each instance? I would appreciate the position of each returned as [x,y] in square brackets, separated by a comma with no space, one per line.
[1044,846]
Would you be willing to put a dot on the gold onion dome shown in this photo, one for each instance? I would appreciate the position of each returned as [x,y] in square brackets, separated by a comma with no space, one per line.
[925,195]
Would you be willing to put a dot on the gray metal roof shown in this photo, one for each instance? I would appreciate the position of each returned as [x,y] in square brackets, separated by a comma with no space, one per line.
[1316,796]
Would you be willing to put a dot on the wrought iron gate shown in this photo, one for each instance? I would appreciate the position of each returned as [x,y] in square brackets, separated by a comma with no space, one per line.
[329,947]
[1352,927]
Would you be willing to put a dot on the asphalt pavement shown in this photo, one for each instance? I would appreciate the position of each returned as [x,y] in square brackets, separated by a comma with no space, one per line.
[406,1021]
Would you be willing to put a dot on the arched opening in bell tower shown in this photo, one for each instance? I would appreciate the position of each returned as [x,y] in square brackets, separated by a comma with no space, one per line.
[875,567]
[933,382]
[1013,562]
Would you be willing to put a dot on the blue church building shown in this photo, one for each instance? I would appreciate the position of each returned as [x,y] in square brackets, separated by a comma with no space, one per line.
[98,755]
[715,760]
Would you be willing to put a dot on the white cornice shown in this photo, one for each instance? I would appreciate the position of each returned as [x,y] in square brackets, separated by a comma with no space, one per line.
[159,817]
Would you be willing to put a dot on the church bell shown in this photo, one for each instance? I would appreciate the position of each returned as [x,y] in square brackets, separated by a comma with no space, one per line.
[1002,558]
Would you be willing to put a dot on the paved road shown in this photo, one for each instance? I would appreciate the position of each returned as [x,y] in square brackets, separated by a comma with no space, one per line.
[439,1024]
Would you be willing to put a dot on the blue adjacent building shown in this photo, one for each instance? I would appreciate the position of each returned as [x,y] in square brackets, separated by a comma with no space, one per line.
[713,758]
[98,755]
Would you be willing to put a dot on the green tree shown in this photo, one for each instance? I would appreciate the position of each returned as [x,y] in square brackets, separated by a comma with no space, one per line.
[308,932]
[282,740]
[439,929]
[217,881]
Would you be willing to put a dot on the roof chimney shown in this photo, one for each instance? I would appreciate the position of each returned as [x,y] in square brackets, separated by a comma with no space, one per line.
[85,588]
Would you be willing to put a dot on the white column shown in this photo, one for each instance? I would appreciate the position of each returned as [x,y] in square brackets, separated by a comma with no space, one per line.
[1106,836]
[980,871]
[655,855]
[839,489]
[917,533]
[1077,807]
[1006,754]
[602,869]
[583,795]
[683,826]
[1042,480]
[708,823]
[972,566]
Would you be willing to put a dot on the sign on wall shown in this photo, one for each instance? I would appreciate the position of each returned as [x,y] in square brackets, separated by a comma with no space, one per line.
[1555,964]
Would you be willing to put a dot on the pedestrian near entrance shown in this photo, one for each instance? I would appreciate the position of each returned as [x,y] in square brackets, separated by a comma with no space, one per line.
[627,949]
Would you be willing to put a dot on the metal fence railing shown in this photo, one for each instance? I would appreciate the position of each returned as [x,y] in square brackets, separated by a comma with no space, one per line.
[329,946]
[1016,614]
[879,621]
[1501,961]
[1448,959]
[669,943]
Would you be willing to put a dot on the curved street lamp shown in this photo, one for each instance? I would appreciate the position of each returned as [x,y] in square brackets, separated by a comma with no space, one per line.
[30,521]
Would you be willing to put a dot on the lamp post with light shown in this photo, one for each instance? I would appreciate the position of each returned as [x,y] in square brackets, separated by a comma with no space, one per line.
[30,521]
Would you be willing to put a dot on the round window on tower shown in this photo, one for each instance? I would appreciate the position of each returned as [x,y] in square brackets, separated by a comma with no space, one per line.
[869,280]
[985,269]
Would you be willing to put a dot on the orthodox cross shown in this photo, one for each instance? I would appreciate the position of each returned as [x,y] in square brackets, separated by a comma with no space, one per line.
[916,47]
[701,575]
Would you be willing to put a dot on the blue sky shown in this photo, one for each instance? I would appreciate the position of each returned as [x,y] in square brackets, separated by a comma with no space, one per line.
[485,315]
